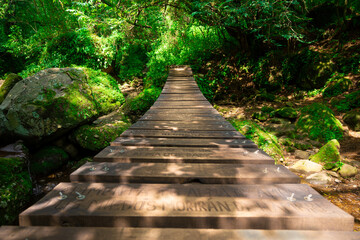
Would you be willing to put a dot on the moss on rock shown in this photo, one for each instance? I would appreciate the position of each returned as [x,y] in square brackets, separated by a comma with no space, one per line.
[15,188]
[286,112]
[260,116]
[102,132]
[8,84]
[266,141]
[329,153]
[319,122]
[54,101]
[138,105]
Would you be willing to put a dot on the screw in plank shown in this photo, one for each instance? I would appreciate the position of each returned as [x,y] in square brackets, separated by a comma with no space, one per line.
[291,198]
[80,196]
[105,168]
[278,169]
[265,170]
[308,198]
[62,196]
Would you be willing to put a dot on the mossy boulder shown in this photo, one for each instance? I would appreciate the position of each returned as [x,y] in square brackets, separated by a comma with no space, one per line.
[138,105]
[329,153]
[102,132]
[352,119]
[47,160]
[319,123]
[260,116]
[15,188]
[336,86]
[286,112]
[54,101]
[8,84]
[266,141]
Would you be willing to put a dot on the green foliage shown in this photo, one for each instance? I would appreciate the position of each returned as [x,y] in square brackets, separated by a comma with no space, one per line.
[266,21]
[307,69]
[191,46]
[351,101]
[319,122]
[75,47]
[207,87]
[132,60]
[266,141]
[15,188]
[336,85]
[138,105]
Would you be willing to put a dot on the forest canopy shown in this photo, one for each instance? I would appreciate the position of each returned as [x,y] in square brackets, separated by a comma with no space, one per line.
[127,37]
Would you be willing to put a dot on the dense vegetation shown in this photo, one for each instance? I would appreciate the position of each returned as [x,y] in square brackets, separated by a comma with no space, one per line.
[240,51]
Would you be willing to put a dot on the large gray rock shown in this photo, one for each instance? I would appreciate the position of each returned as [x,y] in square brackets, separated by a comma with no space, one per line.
[348,171]
[302,154]
[352,119]
[54,101]
[320,178]
[306,166]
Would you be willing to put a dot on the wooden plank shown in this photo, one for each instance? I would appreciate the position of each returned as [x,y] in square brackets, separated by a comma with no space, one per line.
[187,206]
[180,117]
[184,125]
[185,104]
[90,233]
[184,76]
[173,72]
[183,173]
[182,134]
[183,111]
[183,154]
[183,97]
[180,91]
[185,142]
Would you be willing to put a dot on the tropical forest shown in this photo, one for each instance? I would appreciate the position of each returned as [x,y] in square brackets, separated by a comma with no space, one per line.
[74,75]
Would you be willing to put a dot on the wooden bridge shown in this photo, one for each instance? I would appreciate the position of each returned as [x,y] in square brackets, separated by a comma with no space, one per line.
[182,172]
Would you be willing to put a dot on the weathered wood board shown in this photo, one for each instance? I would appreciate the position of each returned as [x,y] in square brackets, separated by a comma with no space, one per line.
[90,233]
[184,142]
[183,173]
[183,154]
[184,125]
[182,134]
[180,117]
[187,206]
[184,111]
